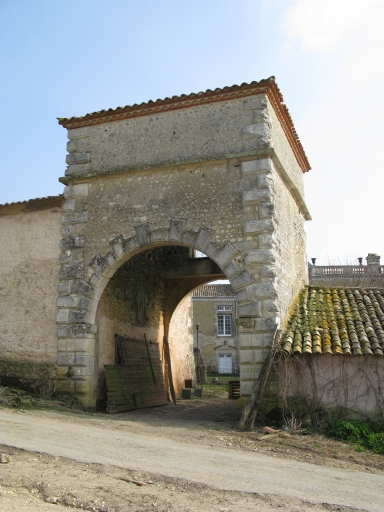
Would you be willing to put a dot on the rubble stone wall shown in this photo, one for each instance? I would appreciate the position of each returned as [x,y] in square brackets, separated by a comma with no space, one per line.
[195,134]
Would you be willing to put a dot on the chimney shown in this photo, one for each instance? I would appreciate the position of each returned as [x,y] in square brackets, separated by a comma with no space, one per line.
[373,263]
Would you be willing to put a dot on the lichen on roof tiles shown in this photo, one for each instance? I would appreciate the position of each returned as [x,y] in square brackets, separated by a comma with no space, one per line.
[346,321]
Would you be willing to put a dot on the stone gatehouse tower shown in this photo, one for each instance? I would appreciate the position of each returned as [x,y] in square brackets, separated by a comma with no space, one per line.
[146,185]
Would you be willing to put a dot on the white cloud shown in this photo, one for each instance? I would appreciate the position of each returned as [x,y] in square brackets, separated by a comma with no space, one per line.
[321,26]
[343,132]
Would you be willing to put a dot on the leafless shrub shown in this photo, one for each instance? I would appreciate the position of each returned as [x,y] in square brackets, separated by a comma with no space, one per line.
[293,424]
[47,389]
[47,385]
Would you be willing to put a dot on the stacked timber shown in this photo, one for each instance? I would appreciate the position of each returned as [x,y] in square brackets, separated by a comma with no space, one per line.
[234,389]
[137,382]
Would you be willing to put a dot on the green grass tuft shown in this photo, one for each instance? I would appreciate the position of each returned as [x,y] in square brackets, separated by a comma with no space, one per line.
[363,435]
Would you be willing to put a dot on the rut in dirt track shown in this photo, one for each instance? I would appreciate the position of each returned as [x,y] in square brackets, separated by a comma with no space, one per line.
[225,468]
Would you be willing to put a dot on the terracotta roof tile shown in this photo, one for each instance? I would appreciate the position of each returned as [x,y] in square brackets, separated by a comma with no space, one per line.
[214,290]
[68,121]
[347,321]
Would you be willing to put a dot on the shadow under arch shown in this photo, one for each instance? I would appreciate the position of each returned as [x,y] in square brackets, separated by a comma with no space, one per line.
[226,256]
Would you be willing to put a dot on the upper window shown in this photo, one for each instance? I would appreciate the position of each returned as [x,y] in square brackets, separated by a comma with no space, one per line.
[224,308]
[224,325]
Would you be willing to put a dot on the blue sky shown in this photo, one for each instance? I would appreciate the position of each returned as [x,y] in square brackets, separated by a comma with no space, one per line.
[65,58]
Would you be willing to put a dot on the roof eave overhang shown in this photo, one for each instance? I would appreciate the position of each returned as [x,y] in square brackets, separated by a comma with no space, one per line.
[267,87]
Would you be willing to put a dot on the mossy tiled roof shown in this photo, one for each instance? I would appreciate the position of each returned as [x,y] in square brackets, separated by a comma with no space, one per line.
[347,321]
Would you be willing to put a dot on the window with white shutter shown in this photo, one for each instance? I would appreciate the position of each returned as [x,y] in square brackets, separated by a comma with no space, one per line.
[224,325]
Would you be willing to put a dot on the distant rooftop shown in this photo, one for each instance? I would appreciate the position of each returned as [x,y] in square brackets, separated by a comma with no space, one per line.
[214,290]
[29,205]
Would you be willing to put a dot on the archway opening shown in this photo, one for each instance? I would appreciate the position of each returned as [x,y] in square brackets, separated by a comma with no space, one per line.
[133,326]
[212,330]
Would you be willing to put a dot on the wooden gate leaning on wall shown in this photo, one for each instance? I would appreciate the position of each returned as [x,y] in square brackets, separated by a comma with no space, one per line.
[137,381]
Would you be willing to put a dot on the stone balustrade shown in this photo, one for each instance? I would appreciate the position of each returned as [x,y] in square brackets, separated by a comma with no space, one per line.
[344,270]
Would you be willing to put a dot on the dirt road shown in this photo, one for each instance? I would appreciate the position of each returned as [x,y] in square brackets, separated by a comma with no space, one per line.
[151,450]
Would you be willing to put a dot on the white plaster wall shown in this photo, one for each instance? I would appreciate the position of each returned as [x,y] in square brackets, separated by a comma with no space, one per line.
[29,266]
[354,383]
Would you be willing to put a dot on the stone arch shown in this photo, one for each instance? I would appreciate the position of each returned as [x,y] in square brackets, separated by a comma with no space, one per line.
[83,287]
[226,256]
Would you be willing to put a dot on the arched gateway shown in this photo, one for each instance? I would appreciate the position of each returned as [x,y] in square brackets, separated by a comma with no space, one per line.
[219,172]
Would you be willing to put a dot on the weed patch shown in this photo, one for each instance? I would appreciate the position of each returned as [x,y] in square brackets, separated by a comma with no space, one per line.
[363,435]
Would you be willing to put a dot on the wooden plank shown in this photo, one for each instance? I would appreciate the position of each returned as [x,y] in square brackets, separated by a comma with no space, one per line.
[139,381]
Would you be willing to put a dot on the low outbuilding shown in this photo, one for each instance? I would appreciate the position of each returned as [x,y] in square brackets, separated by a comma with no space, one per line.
[331,350]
